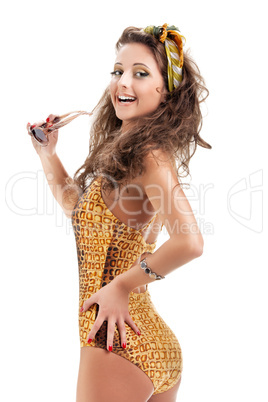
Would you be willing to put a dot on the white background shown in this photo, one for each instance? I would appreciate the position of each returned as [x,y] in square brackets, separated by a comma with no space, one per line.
[56,57]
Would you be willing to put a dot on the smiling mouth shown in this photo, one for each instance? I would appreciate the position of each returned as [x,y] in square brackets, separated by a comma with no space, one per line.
[126,99]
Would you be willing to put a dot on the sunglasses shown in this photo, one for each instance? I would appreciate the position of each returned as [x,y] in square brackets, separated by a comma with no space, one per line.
[40,133]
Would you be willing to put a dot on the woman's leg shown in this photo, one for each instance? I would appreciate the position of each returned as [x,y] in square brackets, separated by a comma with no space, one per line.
[167,396]
[104,376]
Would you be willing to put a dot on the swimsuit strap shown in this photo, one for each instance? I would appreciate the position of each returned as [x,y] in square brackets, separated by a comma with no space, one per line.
[148,224]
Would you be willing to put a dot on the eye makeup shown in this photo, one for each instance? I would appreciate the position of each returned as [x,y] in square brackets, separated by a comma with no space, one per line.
[116,72]
[138,74]
[142,74]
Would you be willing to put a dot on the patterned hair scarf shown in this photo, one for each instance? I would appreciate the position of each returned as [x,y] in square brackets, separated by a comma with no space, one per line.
[174,42]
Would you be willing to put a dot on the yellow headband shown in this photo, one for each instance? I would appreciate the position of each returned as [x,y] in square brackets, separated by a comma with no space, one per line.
[174,43]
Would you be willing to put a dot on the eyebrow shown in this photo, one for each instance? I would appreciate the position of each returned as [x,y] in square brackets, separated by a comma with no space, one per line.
[135,64]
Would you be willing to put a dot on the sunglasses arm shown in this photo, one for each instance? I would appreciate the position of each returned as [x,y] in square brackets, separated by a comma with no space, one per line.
[60,122]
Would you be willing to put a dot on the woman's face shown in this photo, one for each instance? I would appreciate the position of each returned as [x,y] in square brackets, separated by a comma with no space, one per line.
[137,85]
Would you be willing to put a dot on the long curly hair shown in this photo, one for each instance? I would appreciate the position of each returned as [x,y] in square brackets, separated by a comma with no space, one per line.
[173,127]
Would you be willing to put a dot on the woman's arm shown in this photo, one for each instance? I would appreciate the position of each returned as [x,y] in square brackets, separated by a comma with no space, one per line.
[174,210]
[54,170]
[170,256]
[56,177]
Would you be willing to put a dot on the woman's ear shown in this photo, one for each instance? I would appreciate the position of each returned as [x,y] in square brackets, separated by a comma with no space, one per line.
[163,94]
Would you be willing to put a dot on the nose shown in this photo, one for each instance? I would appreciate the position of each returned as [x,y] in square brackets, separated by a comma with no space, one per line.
[125,80]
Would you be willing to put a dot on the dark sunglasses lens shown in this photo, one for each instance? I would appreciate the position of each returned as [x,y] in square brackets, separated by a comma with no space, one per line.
[39,135]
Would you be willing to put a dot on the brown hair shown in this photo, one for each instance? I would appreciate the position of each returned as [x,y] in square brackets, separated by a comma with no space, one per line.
[173,127]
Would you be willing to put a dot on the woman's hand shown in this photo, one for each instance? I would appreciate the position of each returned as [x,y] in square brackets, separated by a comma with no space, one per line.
[113,307]
[50,149]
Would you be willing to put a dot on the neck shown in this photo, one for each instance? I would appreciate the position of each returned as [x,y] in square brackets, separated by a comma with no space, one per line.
[126,126]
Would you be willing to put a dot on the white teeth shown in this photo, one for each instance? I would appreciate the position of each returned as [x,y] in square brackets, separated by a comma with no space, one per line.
[126,98]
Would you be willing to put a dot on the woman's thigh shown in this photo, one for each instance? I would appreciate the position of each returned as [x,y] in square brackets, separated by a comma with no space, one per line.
[167,396]
[104,376]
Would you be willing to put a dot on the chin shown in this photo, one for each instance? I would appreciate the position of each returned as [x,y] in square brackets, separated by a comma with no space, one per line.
[125,117]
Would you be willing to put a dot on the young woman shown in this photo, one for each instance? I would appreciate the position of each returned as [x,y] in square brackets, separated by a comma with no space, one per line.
[148,119]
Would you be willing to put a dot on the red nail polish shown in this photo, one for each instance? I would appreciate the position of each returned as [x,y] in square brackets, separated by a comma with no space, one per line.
[33,125]
[110,348]
[82,309]
[124,345]
[138,333]
[47,120]
[89,340]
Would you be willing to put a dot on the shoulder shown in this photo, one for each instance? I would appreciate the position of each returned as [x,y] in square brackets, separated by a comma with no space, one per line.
[157,155]
[159,165]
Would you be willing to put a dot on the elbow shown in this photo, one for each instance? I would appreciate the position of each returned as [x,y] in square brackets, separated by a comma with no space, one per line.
[196,247]
[198,252]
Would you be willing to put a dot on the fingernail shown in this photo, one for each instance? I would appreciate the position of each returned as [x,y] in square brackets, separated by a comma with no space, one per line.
[138,333]
[33,125]
[110,348]
[89,340]
[124,345]
[51,124]
[47,120]
[82,309]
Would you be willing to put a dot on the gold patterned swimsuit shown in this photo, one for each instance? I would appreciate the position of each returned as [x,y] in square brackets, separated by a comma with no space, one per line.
[107,247]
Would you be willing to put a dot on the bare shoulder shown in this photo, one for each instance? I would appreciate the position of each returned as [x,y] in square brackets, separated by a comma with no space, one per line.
[163,190]
[159,167]
[157,157]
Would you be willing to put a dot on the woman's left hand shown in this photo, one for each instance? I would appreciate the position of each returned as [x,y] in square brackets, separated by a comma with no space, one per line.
[113,307]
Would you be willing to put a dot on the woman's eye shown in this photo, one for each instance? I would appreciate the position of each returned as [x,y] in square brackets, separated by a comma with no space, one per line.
[116,72]
[137,74]
[141,74]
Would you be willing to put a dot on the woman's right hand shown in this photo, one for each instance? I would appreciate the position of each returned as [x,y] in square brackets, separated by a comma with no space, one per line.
[50,149]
